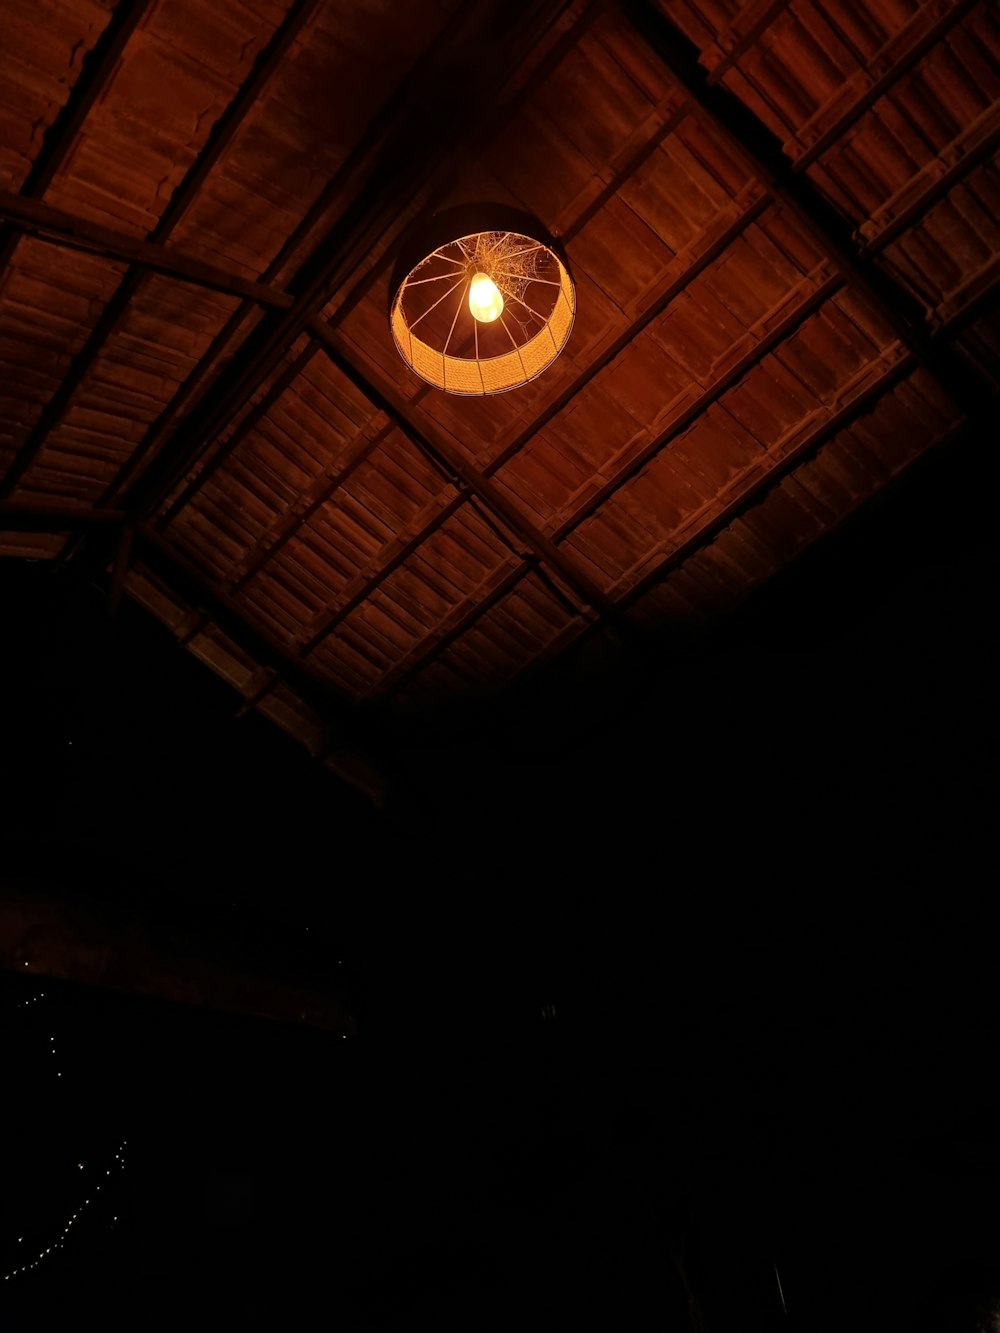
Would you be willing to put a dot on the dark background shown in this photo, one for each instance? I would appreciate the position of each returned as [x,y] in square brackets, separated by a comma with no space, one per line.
[753,872]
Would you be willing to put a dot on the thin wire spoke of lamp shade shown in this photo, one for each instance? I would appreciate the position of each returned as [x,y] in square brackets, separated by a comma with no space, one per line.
[439,337]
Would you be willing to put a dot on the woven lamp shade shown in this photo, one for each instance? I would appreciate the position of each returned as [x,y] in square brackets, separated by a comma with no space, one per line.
[433,325]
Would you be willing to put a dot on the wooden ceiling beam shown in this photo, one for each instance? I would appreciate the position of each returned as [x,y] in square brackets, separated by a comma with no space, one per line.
[337,752]
[230,617]
[767,480]
[289,256]
[982,421]
[98,67]
[704,261]
[172,411]
[880,86]
[429,650]
[905,62]
[924,344]
[937,189]
[807,448]
[247,423]
[773,339]
[120,568]
[368,579]
[466,475]
[270,543]
[60,228]
[22,516]
[219,140]
[226,128]
[463,621]
[674,120]
[747,137]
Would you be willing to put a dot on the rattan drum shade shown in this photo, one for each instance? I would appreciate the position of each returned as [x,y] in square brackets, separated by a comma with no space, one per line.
[469,348]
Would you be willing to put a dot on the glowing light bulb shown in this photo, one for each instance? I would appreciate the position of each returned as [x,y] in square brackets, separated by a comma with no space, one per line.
[485,300]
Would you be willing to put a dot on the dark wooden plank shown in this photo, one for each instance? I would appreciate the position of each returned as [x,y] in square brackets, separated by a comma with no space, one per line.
[735,126]
[880,86]
[471,478]
[775,337]
[61,228]
[119,573]
[808,446]
[218,140]
[98,69]
[20,516]
[246,425]
[189,584]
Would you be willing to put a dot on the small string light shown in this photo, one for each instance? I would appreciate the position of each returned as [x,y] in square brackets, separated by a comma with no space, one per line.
[60,1242]
[119,1159]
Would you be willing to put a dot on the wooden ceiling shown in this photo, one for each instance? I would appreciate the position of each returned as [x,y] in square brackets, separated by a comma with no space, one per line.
[782,223]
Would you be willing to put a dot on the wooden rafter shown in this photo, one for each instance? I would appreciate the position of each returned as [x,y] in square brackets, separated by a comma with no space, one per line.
[747,495]
[269,545]
[902,64]
[99,66]
[909,57]
[179,574]
[361,588]
[746,136]
[458,623]
[448,458]
[783,329]
[61,228]
[218,141]
[247,423]
[750,493]
[24,516]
